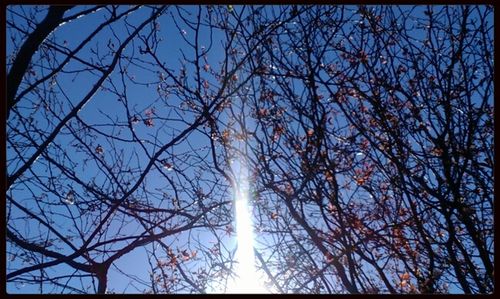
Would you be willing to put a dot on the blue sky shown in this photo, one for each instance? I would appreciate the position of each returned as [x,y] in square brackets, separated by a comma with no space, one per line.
[139,89]
[105,106]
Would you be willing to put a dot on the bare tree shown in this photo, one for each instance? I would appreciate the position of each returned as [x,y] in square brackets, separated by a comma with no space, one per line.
[373,148]
[368,133]
[95,171]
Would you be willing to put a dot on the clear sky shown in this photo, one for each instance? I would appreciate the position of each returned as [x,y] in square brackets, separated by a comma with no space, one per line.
[105,107]
[140,90]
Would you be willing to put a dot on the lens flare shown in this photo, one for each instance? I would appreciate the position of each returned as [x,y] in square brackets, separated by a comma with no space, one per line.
[247,279]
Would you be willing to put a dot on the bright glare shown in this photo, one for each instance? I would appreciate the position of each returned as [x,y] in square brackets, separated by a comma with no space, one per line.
[247,279]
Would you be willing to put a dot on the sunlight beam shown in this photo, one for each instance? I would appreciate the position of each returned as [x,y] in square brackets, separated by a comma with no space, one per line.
[247,279]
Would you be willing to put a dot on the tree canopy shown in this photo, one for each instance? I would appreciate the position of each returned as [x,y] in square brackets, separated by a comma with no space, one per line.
[367,133]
